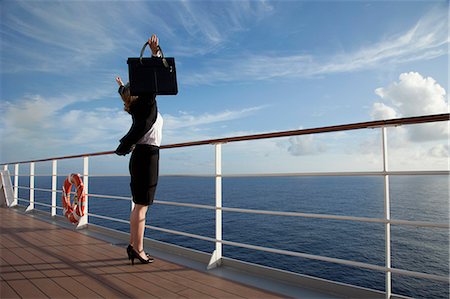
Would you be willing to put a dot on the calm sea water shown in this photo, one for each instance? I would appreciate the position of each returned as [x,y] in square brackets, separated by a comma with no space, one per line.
[424,198]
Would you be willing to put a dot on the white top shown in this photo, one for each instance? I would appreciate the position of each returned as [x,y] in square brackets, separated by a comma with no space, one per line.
[154,135]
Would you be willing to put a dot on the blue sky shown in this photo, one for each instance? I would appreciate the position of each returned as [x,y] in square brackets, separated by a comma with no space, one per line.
[244,67]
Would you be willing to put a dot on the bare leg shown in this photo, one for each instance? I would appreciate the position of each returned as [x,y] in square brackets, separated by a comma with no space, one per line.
[132,226]
[138,228]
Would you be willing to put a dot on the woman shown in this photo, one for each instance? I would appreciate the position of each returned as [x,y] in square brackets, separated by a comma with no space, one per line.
[144,139]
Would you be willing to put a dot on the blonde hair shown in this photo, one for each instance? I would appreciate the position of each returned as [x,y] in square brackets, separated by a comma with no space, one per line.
[127,98]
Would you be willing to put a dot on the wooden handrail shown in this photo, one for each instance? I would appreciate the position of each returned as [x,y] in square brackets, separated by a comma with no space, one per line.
[328,129]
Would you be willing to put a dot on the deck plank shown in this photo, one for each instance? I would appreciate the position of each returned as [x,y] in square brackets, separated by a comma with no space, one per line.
[7,291]
[193,294]
[86,291]
[42,260]
[26,289]
[51,288]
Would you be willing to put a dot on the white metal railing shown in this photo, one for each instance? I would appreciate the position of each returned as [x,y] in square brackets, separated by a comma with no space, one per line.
[387,216]
[217,254]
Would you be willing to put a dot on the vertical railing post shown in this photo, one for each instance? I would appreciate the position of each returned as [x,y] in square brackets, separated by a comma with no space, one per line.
[31,205]
[54,187]
[5,167]
[82,223]
[219,199]
[387,215]
[16,185]
[216,258]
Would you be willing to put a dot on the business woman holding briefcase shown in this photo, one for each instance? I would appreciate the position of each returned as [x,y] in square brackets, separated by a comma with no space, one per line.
[143,140]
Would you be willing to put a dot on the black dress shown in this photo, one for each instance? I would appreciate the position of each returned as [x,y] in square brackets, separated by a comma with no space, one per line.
[144,161]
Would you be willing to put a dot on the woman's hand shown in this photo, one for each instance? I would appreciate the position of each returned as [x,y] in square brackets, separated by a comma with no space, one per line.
[119,81]
[122,150]
[154,44]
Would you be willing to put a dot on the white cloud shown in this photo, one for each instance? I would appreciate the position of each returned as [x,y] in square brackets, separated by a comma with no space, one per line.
[186,120]
[381,111]
[72,35]
[439,151]
[57,37]
[305,145]
[427,39]
[189,126]
[55,124]
[48,125]
[100,128]
[414,146]
[212,25]
[414,95]
[252,67]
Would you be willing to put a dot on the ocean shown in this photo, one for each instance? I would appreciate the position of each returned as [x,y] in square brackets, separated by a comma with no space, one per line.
[420,198]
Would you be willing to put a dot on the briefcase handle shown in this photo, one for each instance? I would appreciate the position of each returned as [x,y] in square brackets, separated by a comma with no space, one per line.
[162,56]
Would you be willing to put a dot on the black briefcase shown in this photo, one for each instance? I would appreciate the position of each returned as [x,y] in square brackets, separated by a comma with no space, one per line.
[153,75]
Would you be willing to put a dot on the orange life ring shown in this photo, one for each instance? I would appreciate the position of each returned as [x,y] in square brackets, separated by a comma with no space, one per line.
[76,211]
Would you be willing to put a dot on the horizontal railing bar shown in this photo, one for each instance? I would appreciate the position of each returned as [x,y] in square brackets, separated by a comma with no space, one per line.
[109,196]
[65,175]
[109,175]
[337,217]
[327,129]
[165,230]
[37,189]
[290,174]
[47,205]
[118,197]
[160,175]
[310,215]
[356,173]
[74,193]
[199,175]
[40,203]
[190,205]
[315,174]
[41,189]
[108,218]
[419,223]
[37,175]
[42,175]
[62,158]
[420,275]
[23,199]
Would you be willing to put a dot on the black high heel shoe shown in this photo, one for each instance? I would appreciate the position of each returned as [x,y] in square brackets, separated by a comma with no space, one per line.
[135,254]
[130,249]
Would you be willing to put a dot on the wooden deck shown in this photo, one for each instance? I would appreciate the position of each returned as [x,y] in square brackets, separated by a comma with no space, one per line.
[42,260]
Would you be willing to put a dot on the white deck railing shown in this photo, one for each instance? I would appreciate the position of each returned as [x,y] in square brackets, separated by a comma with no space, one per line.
[219,242]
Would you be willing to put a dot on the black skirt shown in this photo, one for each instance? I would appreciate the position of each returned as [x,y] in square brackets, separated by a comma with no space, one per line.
[144,171]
